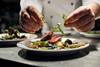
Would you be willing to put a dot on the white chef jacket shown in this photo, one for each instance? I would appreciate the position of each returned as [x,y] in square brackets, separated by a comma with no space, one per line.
[53,10]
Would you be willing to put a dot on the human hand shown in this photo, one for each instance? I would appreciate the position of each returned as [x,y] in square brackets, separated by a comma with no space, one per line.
[82,19]
[30,19]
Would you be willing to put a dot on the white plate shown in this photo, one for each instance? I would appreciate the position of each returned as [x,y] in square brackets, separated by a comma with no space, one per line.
[14,41]
[90,35]
[25,43]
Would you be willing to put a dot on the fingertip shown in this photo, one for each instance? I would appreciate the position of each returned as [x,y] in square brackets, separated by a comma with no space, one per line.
[68,25]
[68,20]
[26,15]
[28,8]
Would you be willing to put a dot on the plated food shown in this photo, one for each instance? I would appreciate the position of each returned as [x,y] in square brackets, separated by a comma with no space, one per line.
[91,34]
[94,32]
[53,43]
[12,36]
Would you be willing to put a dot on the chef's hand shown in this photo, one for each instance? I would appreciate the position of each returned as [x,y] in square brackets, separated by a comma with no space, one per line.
[82,19]
[30,19]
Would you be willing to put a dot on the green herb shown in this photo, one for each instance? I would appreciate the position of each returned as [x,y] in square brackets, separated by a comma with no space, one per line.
[60,28]
[11,33]
[94,32]
[64,17]
[55,29]
[41,43]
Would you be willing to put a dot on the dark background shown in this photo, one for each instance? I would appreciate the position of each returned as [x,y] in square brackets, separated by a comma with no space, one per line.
[9,14]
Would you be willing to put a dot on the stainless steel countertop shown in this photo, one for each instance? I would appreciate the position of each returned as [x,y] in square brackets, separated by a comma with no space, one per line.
[82,59]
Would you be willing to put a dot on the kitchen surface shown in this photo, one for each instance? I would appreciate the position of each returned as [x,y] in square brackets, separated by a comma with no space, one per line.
[84,58]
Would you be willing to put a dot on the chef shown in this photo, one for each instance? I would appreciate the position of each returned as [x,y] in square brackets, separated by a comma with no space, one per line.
[46,14]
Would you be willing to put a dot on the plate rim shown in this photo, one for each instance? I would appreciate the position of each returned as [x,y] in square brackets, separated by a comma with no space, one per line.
[15,39]
[20,44]
[90,35]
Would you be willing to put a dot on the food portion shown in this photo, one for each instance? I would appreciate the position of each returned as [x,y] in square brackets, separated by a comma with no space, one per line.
[12,34]
[57,28]
[93,32]
[51,41]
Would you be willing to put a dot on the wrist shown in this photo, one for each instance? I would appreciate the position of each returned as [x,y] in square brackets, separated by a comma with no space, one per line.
[95,8]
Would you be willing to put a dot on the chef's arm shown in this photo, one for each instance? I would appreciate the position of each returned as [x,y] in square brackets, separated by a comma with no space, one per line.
[94,5]
[30,18]
[36,3]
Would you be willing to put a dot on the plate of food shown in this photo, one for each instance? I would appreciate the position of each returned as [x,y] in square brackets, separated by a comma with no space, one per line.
[12,36]
[91,34]
[50,44]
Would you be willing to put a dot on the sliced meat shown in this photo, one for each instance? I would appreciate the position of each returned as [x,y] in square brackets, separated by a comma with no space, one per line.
[47,36]
[55,38]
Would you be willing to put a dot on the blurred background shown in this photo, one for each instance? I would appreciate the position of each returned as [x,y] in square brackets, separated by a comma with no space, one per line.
[9,15]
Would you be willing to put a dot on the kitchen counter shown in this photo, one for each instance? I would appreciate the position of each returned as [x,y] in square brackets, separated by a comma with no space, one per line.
[89,58]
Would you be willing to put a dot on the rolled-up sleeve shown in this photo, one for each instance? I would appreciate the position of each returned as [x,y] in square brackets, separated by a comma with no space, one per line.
[36,3]
[86,2]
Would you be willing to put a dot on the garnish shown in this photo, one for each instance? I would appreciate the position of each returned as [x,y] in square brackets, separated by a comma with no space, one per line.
[60,29]
[64,17]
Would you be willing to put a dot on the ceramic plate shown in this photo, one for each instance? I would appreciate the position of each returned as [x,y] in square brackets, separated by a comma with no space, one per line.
[25,43]
[91,34]
[14,41]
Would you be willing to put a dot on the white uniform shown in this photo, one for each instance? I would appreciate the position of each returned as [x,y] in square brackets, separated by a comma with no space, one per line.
[53,10]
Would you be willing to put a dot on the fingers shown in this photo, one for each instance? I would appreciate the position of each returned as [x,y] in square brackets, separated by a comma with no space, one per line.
[28,26]
[25,15]
[35,15]
[25,19]
[81,21]
[30,20]
[84,20]
[27,29]
[90,25]
[82,11]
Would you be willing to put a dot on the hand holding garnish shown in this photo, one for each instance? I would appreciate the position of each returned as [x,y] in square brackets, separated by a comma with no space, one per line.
[82,19]
[31,19]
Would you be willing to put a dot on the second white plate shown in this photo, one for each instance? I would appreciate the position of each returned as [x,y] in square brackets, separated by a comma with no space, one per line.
[14,41]
[91,34]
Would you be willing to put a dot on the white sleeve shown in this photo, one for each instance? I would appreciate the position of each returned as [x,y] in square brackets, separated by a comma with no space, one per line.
[86,2]
[36,3]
